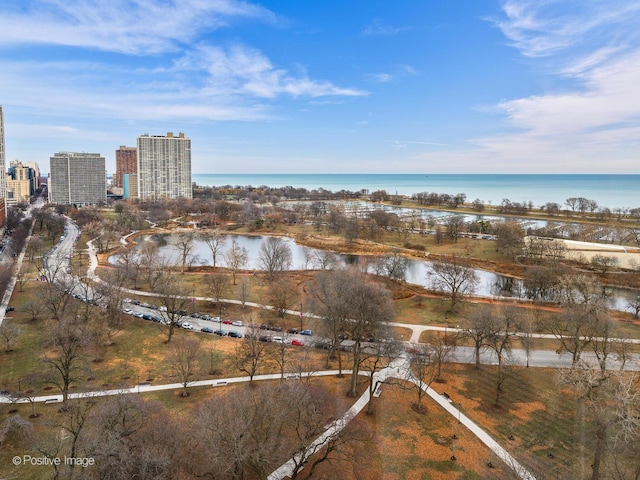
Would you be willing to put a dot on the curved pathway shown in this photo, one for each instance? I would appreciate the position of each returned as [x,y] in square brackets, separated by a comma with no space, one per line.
[398,369]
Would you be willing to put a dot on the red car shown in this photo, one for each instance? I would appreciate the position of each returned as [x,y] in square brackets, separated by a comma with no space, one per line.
[298,343]
[227,322]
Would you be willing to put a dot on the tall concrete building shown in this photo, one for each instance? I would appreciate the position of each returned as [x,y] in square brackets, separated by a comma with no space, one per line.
[126,162]
[3,185]
[36,172]
[77,179]
[164,166]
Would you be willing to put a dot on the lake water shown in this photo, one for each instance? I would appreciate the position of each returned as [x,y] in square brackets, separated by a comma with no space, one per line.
[611,191]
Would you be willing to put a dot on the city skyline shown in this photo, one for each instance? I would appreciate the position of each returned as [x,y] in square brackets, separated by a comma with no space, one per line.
[512,86]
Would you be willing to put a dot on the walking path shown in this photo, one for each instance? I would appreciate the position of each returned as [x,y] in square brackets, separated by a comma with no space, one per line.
[397,369]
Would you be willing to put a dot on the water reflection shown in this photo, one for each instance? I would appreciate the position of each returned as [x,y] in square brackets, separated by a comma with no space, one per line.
[307,258]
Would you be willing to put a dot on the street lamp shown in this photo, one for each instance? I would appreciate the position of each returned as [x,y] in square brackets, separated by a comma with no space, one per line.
[300,316]
[138,376]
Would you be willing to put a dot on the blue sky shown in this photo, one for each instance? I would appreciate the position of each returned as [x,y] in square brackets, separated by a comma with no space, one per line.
[349,86]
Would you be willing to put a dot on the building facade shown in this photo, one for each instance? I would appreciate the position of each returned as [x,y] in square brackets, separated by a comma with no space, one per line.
[3,187]
[164,166]
[20,183]
[78,179]
[130,185]
[126,162]
[36,172]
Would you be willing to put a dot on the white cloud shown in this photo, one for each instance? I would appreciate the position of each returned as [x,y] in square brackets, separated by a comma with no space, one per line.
[591,124]
[379,28]
[546,27]
[240,70]
[381,77]
[238,83]
[127,26]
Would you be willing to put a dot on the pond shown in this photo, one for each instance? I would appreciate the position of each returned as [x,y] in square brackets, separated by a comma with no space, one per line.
[307,258]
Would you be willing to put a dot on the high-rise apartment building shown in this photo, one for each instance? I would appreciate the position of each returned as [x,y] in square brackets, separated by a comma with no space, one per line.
[126,162]
[36,172]
[20,183]
[164,166]
[3,186]
[77,179]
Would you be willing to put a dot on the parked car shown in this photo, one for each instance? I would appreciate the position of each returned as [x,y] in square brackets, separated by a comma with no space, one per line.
[206,330]
[293,330]
[277,339]
[264,338]
[235,334]
[222,333]
[238,323]
[323,344]
[128,311]
[227,322]
[187,326]
[306,332]
[297,342]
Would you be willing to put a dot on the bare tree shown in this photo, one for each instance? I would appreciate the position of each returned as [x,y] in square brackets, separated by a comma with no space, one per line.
[374,357]
[331,305]
[634,306]
[422,373]
[236,258]
[215,241]
[280,354]
[244,290]
[283,294]
[392,266]
[244,435]
[611,403]
[439,351]
[274,256]
[604,263]
[218,285]
[34,308]
[9,333]
[250,354]
[174,299]
[454,276]
[67,355]
[321,259]
[509,238]
[183,242]
[575,327]
[476,329]
[503,329]
[185,360]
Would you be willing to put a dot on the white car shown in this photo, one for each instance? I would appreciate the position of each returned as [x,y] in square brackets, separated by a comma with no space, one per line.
[277,340]
[128,311]
[187,326]
[163,308]
[238,323]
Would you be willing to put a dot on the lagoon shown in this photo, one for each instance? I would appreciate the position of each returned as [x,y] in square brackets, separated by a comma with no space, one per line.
[307,258]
